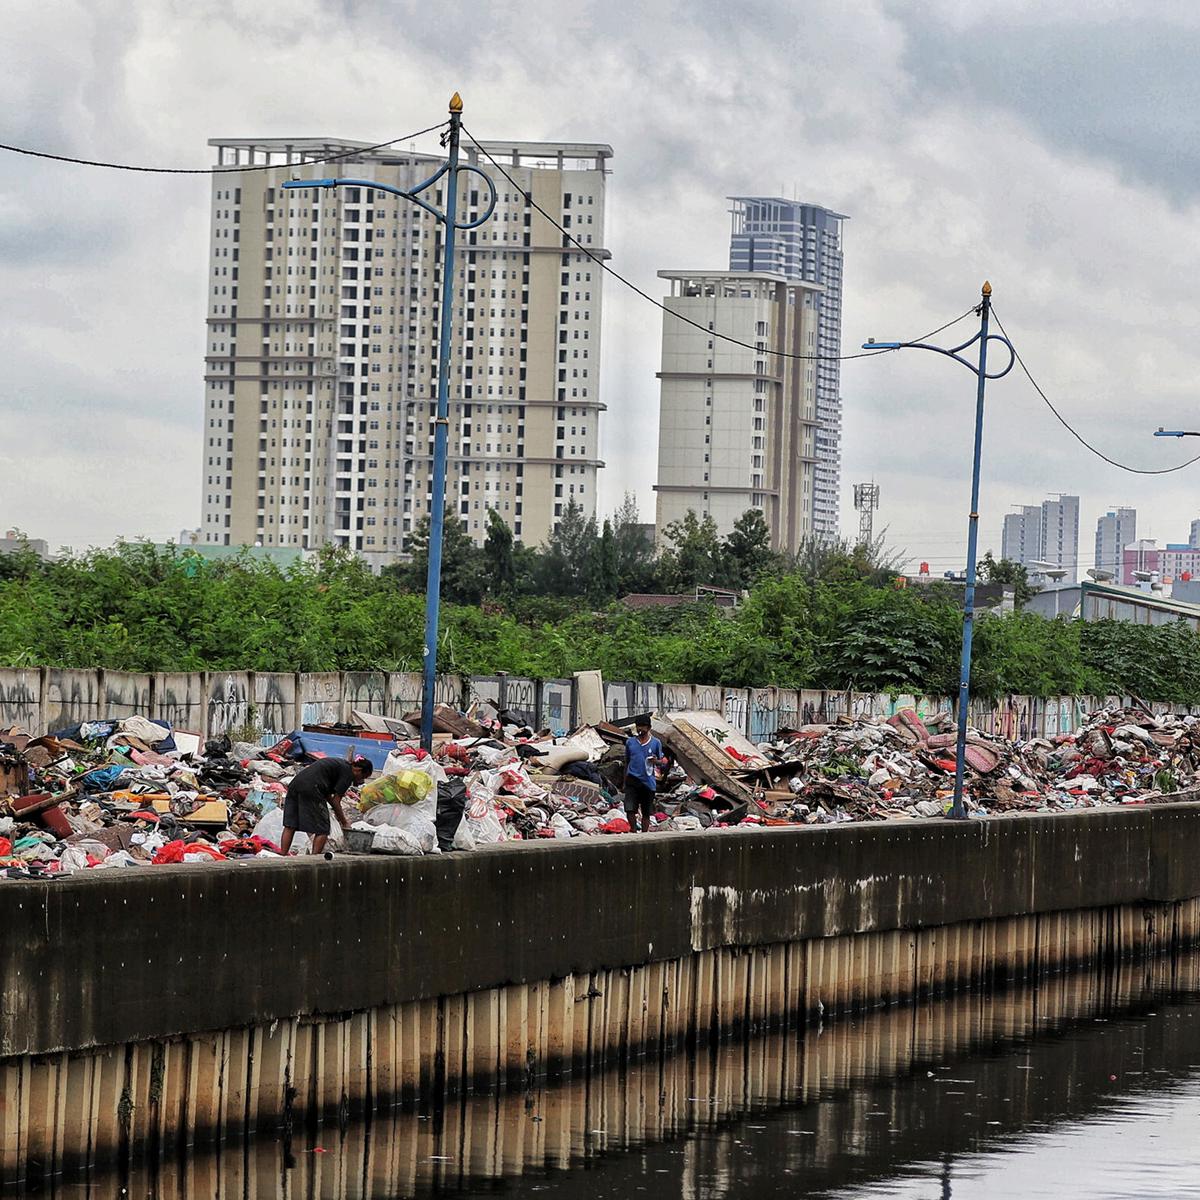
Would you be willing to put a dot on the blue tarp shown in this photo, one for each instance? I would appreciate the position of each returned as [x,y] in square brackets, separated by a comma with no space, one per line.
[333,745]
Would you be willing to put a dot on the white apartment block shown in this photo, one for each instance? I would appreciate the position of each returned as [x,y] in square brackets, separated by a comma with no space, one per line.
[1060,533]
[321,374]
[1021,538]
[1115,530]
[737,424]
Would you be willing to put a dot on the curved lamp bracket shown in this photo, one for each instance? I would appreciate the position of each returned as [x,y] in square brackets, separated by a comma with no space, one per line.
[955,352]
[413,194]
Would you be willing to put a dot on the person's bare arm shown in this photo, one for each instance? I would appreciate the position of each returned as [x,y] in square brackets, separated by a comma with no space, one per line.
[335,802]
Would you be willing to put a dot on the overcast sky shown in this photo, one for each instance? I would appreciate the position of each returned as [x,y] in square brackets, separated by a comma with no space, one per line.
[1048,147]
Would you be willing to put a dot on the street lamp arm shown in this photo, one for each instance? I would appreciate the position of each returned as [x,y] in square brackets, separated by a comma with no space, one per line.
[450,171]
[982,375]
[954,352]
[412,194]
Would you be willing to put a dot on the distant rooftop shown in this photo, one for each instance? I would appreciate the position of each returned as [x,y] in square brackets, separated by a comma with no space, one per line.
[789,202]
[748,276]
[285,151]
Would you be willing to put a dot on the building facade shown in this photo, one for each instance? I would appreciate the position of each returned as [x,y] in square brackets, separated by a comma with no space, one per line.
[1021,538]
[737,424]
[1177,562]
[1114,531]
[1048,532]
[322,367]
[803,243]
[1060,534]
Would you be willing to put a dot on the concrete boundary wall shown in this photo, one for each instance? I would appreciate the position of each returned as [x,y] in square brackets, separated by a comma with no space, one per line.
[103,958]
[641,1104]
[272,704]
[171,1002]
[116,1103]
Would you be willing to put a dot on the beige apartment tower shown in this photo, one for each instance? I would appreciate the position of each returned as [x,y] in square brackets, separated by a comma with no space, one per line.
[322,319]
[737,423]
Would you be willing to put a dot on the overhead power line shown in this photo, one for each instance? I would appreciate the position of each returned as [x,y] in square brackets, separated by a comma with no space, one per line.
[112,166]
[678,316]
[1075,433]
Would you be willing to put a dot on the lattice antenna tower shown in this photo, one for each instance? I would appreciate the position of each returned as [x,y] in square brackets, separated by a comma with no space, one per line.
[866,501]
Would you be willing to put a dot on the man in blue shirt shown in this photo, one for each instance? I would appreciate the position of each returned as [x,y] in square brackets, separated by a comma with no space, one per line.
[643,754]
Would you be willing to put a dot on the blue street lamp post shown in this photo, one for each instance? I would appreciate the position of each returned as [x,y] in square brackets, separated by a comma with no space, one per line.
[957,810]
[433,582]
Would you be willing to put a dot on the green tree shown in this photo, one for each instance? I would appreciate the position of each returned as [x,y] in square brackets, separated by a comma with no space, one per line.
[498,559]
[603,579]
[566,558]
[463,579]
[1005,571]
[634,549]
[694,558]
[747,549]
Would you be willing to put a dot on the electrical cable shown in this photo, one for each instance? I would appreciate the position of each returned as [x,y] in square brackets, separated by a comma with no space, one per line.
[1074,432]
[679,317]
[88,162]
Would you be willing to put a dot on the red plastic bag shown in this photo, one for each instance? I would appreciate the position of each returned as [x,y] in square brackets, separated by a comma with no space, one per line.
[616,825]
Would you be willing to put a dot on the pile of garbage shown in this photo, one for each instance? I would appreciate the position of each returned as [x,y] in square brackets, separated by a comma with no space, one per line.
[903,768]
[134,792]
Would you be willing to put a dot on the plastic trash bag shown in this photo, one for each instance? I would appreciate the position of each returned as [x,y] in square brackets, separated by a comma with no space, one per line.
[400,787]
[389,839]
[486,828]
[270,829]
[451,810]
[419,821]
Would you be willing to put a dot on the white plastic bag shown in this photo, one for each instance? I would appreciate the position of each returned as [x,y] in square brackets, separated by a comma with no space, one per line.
[403,760]
[418,820]
[75,858]
[487,828]
[390,839]
[463,838]
[270,828]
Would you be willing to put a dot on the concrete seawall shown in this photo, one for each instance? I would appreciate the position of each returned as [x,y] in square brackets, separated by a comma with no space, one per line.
[171,1004]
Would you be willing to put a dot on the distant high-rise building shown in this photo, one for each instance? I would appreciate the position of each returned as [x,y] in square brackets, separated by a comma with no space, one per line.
[322,331]
[1021,540]
[737,424]
[1114,531]
[1046,533]
[1194,535]
[1060,534]
[803,243]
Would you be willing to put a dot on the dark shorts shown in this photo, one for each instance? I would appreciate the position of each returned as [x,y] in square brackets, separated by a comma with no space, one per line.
[306,815]
[638,798]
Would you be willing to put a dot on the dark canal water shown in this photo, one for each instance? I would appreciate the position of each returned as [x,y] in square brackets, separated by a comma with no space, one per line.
[1080,1086]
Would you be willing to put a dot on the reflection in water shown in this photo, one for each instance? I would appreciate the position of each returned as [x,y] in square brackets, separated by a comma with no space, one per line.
[1026,1092]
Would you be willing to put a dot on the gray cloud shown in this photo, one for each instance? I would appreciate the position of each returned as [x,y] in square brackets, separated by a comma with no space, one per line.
[1123,89]
[1045,151]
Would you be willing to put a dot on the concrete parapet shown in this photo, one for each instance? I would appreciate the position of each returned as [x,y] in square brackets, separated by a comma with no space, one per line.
[170,1005]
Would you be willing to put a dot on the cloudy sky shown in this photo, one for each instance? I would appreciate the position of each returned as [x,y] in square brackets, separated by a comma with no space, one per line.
[1048,147]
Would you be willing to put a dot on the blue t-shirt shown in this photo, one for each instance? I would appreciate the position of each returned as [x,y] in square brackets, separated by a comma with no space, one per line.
[636,754]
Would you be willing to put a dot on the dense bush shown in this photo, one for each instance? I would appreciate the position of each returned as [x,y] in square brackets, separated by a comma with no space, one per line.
[832,621]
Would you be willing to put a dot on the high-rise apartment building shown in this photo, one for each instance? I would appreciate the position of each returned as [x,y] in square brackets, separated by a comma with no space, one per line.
[322,347]
[1048,532]
[1021,538]
[1114,531]
[738,424]
[803,242]
[1060,534]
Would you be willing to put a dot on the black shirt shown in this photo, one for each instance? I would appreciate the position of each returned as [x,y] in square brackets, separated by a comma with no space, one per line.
[322,780]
